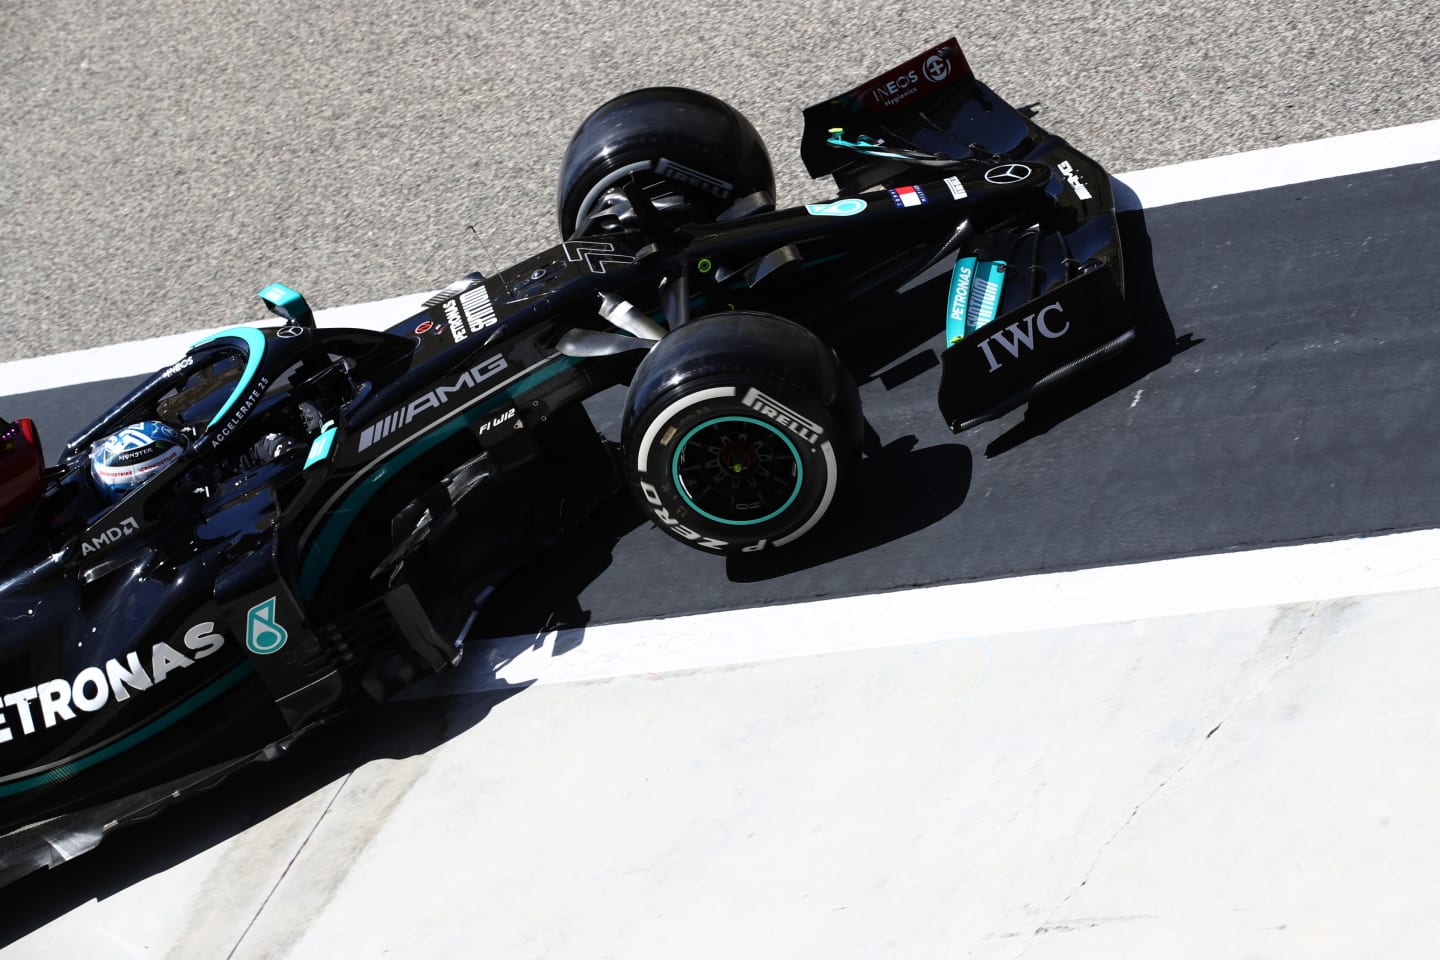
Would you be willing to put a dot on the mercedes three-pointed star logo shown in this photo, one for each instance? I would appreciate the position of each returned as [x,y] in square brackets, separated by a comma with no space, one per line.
[1008,173]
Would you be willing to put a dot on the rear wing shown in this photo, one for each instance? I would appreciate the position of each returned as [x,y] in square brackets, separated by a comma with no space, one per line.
[929,110]
[899,96]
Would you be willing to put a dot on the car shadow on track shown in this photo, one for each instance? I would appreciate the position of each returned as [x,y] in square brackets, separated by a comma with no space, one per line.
[566,569]
[900,490]
[910,323]
[410,726]
[1155,344]
[251,796]
[62,412]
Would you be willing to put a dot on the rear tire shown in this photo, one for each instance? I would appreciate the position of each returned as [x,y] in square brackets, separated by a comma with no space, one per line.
[741,433]
[683,140]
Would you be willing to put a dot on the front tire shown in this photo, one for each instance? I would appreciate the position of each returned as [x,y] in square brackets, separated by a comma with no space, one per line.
[741,432]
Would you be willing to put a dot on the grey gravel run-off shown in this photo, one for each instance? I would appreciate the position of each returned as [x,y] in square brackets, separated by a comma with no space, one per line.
[162,162]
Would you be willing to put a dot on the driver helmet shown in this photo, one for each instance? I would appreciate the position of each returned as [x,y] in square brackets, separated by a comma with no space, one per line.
[126,459]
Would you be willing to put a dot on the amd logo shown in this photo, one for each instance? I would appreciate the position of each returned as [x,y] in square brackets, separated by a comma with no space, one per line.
[112,535]
[1020,335]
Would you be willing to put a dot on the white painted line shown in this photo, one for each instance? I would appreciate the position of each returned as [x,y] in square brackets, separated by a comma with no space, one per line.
[1344,156]
[1165,588]
[1196,180]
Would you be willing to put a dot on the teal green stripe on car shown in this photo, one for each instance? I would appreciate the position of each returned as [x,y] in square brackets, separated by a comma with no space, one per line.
[960,280]
[255,342]
[286,303]
[680,487]
[320,448]
[330,535]
[328,540]
[161,723]
[985,294]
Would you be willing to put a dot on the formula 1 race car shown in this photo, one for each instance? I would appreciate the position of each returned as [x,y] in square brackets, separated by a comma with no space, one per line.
[292,521]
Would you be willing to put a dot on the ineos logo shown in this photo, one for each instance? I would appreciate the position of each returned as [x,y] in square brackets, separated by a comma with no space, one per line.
[1009,173]
[936,68]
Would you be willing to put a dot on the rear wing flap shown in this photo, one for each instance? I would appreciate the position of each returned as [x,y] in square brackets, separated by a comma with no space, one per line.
[930,106]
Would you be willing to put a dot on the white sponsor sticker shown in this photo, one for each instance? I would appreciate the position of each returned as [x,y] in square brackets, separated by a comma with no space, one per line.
[477,308]
[803,427]
[46,705]
[1073,178]
[678,171]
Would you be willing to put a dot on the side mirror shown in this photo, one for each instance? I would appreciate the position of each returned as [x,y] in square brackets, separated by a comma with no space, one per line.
[288,305]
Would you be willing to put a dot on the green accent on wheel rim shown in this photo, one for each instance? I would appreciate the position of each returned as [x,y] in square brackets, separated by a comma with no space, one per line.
[680,487]
[163,722]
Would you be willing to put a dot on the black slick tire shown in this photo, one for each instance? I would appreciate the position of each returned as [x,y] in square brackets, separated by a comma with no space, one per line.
[686,141]
[741,433]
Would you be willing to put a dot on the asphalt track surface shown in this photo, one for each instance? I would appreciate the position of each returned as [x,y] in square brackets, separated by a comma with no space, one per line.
[1284,392]
[162,162]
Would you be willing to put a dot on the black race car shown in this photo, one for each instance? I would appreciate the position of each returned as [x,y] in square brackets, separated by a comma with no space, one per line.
[291,521]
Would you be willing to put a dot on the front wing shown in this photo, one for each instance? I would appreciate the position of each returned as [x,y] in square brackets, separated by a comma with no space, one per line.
[1038,290]
[1006,362]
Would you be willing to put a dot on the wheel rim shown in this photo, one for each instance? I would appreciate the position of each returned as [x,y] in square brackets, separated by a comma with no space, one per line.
[738,471]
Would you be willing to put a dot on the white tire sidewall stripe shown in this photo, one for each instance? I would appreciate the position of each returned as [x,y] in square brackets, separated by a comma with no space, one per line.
[820,511]
[642,456]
